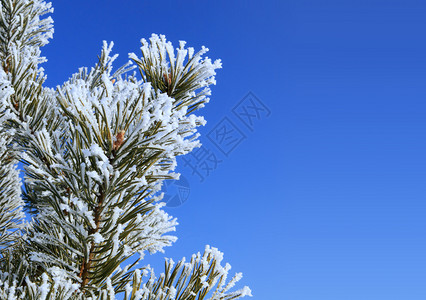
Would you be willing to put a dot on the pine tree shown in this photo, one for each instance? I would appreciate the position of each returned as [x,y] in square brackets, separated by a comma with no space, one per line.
[95,152]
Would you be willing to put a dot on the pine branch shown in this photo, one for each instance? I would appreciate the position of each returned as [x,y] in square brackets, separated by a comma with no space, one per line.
[96,152]
[22,32]
[203,277]
[123,141]
[181,75]
[11,214]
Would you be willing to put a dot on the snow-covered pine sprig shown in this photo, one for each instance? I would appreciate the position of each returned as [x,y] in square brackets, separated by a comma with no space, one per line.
[11,214]
[22,32]
[96,151]
[184,75]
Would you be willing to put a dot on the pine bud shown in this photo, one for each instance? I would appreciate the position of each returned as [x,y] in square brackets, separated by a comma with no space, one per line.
[167,79]
[119,140]
[15,102]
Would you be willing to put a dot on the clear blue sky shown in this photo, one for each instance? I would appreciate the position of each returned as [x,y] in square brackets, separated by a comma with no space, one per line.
[324,199]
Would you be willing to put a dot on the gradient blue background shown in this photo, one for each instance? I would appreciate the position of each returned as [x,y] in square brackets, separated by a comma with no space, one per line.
[325,199]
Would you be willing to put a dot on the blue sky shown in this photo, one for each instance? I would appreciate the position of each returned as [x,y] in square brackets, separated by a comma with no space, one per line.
[323,196]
